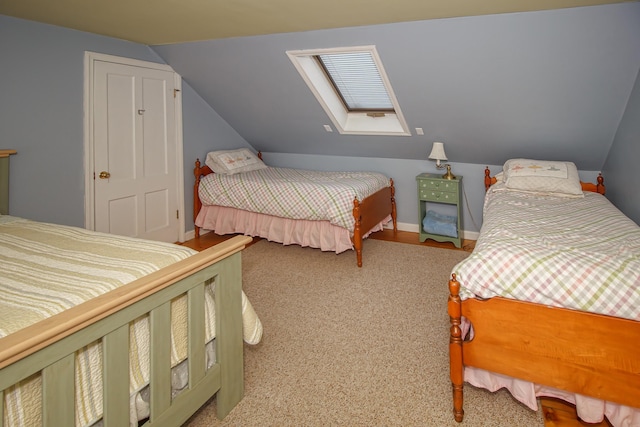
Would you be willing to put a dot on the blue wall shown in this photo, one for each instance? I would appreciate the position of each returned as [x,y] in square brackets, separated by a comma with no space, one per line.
[621,170]
[552,84]
[41,116]
[404,174]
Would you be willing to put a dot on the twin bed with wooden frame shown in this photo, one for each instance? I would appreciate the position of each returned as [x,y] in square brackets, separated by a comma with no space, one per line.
[40,362]
[544,340]
[363,215]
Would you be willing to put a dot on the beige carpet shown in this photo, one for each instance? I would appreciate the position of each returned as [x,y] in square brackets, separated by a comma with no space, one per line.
[348,346]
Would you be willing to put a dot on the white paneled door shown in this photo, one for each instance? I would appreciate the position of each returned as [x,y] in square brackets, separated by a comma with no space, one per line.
[134,152]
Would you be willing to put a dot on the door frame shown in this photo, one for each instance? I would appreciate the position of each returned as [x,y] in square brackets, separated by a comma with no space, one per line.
[89,192]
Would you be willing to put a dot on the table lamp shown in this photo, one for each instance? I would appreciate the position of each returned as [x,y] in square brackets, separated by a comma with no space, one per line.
[437,154]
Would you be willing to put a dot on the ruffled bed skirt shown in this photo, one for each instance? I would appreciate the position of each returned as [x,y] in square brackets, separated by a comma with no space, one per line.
[589,409]
[315,234]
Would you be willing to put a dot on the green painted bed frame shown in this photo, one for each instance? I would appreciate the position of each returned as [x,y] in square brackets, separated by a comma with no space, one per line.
[49,346]
[4,180]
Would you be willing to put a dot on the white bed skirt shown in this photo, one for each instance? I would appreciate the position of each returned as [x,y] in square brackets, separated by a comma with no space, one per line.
[589,409]
[315,234]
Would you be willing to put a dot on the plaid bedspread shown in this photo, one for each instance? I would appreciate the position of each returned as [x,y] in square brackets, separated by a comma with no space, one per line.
[293,193]
[48,268]
[577,253]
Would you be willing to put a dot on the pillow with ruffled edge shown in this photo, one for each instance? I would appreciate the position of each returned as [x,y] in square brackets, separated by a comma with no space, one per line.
[542,177]
[230,162]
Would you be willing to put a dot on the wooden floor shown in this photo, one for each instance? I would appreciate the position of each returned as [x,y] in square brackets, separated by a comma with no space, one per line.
[207,240]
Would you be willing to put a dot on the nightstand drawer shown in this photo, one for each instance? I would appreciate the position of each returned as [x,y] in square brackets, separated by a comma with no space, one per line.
[438,184]
[439,196]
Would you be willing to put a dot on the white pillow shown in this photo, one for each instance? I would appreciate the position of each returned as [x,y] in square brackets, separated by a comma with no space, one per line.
[230,162]
[543,177]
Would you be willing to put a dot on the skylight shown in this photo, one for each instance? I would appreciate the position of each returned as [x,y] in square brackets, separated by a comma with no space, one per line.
[352,87]
[357,80]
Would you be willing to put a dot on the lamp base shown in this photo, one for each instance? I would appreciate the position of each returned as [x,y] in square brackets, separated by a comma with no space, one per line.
[449,175]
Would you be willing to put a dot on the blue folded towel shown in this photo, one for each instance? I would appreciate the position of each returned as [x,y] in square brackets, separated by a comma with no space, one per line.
[437,223]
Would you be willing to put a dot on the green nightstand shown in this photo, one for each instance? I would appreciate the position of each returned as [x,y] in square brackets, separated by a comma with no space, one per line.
[434,191]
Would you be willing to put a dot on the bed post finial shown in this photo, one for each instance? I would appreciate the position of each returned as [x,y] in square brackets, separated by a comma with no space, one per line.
[487,178]
[454,307]
[600,184]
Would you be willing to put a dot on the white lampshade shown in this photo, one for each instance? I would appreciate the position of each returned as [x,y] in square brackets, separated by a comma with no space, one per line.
[437,153]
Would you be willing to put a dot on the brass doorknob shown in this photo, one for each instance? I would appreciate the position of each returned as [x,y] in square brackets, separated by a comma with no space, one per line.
[105,175]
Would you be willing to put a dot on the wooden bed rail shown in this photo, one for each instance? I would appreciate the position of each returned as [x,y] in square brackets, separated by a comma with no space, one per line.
[598,187]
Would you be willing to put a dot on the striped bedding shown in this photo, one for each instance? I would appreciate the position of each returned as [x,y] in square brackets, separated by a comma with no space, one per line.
[48,268]
[293,193]
[578,253]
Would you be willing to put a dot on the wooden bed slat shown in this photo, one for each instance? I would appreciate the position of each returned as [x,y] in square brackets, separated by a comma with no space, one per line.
[160,363]
[115,354]
[58,393]
[196,331]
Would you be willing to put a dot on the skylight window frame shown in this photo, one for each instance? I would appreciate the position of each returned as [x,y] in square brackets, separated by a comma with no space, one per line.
[356,122]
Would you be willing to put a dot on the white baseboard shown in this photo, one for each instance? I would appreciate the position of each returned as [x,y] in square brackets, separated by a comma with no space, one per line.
[192,234]
[189,235]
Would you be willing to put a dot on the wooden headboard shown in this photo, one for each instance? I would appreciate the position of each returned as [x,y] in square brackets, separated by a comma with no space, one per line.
[199,171]
[4,180]
[586,186]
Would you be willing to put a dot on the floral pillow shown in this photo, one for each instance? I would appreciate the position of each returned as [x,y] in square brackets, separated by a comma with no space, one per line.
[230,162]
[542,177]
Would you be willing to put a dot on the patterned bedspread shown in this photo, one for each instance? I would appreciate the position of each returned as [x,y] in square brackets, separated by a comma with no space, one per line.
[293,193]
[48,268]
[579,253]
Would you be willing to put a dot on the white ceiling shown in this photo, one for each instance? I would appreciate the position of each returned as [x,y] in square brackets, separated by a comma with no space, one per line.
[175,21]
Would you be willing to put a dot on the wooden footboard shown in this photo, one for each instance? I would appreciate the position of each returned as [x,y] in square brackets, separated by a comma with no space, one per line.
[575,351]
[370,212]
[49,347]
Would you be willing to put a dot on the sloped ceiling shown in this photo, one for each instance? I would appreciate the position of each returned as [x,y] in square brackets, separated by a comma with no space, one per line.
[175,21]
[549,84]
[492,80]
